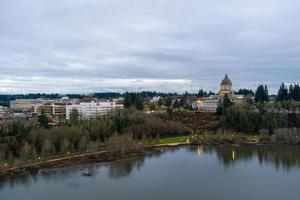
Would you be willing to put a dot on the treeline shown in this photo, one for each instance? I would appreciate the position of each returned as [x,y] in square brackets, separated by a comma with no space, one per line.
[133,99]
[151,94]
[6,98]
[244,92]
[202,93]
[106,95]
[20,141]
[252,118]
[286,93]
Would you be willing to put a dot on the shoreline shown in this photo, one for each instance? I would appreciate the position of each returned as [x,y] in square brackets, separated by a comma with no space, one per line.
[108,156]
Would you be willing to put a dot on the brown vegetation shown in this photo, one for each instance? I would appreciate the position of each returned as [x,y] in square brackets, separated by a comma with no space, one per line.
[197,120]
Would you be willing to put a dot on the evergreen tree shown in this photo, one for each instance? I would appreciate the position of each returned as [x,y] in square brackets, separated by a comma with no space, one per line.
[294,92]
[176,104]
[168,101]
[43,119]
[182,102]
[283,93]
[74,117]
[224,104]
[139,102]
[245,92]
[200,93]
[261,94]
[160,102]
[127,100]
[227,103]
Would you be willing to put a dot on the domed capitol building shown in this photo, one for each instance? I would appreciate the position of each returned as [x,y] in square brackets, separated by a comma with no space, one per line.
[210,104]
[226,87]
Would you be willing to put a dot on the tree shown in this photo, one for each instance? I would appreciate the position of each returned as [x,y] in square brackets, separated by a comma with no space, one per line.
[160,102]
[202,93]
[168,101]
[127,100]
[122,144]
[182,102]
[245,92]
[224,104]
[283,93]
[227,102]
[261,94]
[74,117]
[176,104]
[294,92]
[43,119]
[152,106]
[139,102]
[170,112]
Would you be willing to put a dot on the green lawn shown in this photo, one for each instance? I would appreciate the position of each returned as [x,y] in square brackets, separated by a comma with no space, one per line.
[172,140]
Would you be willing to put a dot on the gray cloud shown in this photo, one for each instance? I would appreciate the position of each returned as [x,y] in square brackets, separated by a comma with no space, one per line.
[167,45]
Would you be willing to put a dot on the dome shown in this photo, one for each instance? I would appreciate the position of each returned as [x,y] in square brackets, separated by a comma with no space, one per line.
[226,81]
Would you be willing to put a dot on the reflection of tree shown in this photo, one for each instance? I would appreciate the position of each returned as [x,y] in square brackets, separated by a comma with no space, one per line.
[281,156]
[50,175]
[123,168]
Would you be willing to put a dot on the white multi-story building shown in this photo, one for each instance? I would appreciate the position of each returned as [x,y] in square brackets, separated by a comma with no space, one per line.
[92,109]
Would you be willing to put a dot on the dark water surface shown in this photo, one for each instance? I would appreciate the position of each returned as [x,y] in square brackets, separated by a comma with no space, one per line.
[225,173]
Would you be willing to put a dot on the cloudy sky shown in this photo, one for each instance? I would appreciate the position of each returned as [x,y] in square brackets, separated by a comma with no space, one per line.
[165,45]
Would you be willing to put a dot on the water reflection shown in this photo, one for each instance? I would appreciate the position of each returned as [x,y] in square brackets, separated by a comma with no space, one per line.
[281,156]
[123,168]
[285,157]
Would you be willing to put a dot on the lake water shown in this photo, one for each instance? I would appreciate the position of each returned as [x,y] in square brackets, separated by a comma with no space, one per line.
[226,173]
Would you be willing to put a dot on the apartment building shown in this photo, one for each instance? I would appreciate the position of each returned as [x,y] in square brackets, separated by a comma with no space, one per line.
[92,109]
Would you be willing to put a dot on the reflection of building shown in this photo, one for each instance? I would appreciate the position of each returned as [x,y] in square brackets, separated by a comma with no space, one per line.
[92,109]
[226,87]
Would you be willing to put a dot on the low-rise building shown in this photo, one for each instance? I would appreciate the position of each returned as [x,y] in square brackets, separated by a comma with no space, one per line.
[52,109]
[21,105]
[92,109]
[155,99]
[207,104]
[5,113]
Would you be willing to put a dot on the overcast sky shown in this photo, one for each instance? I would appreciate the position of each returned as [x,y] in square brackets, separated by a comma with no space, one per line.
[165,45]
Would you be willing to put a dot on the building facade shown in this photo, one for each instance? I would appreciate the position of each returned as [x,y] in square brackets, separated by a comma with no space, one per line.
[92,109]
[21,105]
[5,113]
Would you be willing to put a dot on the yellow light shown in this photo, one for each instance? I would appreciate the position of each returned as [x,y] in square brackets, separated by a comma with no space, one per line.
[68,152]
[5,164]
[233,155]
[199,150]
[39,158]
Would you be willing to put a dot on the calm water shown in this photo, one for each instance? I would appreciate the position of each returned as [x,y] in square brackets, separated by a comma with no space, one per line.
[178,173]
